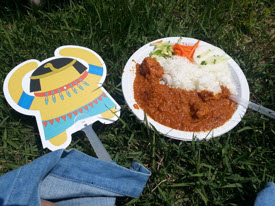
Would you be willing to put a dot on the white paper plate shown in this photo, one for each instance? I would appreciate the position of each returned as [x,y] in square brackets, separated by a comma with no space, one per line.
[128,78]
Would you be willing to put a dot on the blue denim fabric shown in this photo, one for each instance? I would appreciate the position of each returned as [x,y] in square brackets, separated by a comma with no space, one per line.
[267,196]
[71,178]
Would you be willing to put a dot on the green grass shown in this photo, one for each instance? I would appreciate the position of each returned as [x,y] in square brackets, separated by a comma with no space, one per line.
[228,170]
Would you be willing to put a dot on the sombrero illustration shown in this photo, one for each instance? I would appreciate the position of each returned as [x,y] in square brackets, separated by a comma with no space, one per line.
[63,92]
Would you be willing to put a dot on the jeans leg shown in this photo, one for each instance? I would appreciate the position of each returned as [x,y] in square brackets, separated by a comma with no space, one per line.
[266,197]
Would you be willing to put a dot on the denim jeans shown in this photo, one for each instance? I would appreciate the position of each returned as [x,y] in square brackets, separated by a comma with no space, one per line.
[71,178]
[266,197]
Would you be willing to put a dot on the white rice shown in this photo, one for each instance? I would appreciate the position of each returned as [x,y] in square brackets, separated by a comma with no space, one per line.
[179,72]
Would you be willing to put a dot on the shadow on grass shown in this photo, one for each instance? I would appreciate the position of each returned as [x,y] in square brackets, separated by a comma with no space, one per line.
[22,7]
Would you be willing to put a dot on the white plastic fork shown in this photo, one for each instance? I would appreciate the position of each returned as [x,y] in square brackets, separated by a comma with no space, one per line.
[255,107]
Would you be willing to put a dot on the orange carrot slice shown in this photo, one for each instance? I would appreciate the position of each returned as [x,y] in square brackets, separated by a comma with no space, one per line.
[193,49]
[185,51]
[186,54]
[186,48]
[157,42]
[182,50]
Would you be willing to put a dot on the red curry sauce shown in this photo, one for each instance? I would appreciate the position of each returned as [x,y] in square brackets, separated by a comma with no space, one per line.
[177,108]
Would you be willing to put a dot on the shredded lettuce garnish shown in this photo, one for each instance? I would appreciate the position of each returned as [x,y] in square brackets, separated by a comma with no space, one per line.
[162,49]
[216,59]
